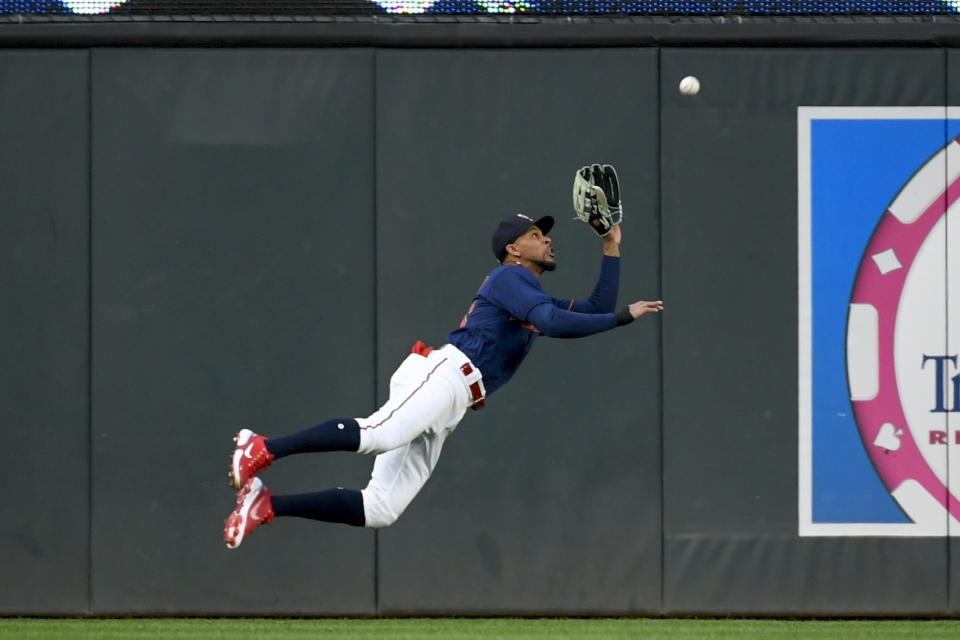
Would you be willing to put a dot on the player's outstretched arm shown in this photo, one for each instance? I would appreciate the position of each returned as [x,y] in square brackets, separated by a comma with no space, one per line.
[641,307]
[603,299]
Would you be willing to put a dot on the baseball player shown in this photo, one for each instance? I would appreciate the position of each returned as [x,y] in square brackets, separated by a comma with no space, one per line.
[432,389]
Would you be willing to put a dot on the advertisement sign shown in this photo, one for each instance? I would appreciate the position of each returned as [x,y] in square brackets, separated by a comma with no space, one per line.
[879,322]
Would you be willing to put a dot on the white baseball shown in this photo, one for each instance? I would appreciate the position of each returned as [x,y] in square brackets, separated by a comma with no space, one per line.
[690,86]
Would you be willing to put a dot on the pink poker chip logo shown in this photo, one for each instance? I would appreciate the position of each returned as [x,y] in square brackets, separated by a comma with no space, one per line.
[902,364]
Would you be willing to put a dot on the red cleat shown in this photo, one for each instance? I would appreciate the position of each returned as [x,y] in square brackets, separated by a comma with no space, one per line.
[249,457]
[254,508]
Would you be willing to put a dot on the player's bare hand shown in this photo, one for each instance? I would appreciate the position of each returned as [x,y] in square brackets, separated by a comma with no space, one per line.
[641,307]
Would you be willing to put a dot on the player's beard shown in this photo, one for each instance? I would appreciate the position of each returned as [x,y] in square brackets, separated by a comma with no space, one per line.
[545,265]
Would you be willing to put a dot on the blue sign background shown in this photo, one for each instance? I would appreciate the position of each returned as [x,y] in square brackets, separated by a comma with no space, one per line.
[857,168]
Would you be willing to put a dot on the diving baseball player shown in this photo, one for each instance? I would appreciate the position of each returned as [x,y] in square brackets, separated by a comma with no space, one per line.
[432,389]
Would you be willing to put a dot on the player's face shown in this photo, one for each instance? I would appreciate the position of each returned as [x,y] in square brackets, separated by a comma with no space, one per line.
[536,246]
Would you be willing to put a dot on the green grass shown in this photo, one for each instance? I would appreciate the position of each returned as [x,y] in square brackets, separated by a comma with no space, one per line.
[468,629]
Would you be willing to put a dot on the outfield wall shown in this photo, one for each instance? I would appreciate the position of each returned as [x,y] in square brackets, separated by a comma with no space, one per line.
[201,239]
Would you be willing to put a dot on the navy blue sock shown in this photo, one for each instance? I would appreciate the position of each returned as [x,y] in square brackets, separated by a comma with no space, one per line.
[339,434]
[332,505]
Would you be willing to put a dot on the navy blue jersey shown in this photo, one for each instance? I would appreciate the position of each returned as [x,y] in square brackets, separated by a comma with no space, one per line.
[511,309]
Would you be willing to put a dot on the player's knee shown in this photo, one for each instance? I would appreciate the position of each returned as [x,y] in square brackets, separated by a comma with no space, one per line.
[380,521]
[379,516]
[378,512]
[375,440]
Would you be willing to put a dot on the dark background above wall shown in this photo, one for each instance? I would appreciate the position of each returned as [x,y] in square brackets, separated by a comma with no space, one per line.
[403,31]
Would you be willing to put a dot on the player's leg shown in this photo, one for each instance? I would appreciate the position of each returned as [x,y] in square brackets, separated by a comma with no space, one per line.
[426,395]
[253,452]
[423,392]
[429,411]
[256,505]
[397,477]
[427,400]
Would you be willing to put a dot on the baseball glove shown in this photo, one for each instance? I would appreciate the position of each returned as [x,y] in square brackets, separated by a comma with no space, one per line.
[596,197]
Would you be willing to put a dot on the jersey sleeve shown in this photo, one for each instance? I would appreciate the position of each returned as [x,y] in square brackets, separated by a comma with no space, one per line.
[603,299]
[555,322]
[517,291]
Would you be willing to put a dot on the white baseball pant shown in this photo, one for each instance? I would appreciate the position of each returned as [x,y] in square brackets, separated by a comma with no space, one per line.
[428,398]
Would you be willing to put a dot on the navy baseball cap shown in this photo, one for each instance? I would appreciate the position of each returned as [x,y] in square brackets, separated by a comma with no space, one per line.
[512,228]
